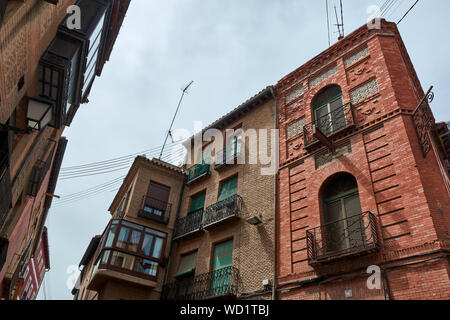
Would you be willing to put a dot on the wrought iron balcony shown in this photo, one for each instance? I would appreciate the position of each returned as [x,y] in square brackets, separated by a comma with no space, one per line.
[228,155]
[222,283]
[38,173]
[337,121]
[196,172]
[154,209]
[224,210]
[5,186]
[356,235]
[190,224]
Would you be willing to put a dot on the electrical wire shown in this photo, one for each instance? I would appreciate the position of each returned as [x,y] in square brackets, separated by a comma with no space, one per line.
[407,12]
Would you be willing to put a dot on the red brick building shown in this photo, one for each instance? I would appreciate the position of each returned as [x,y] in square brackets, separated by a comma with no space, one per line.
[35,270]
[363,177]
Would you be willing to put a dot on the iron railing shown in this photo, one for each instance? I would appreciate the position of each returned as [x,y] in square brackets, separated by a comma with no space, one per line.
[196,172]
[228,155]
[5,187]
[38,173]
[351,236]
[189,224]
[155,209]
[329,124]
[214,284]
[228,208]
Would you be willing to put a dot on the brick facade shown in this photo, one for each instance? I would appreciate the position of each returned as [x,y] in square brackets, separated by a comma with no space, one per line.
[253,246]
[405,191]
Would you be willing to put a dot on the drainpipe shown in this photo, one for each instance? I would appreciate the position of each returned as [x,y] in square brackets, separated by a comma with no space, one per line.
[166,275]
[274,281]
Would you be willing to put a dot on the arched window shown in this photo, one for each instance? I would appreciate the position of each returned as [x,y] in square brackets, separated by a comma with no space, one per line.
[343,223]
[329,114]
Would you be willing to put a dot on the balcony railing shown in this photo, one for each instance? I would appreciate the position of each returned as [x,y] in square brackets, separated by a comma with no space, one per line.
[330,124]
[196,172]
[356,235]
[190,224]
[40,169]
[223,210]
[5,186]
[215,284]
[155,209]
[228,155]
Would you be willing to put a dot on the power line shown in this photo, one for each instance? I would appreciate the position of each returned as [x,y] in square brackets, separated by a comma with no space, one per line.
[122,158]
[407,12]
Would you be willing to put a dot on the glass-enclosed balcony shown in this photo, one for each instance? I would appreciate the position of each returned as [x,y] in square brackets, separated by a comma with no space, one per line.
[131,249]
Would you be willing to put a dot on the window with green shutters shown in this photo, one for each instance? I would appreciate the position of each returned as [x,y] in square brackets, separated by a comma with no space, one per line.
[197,202]
[228,188]
[187,264]
[222,260]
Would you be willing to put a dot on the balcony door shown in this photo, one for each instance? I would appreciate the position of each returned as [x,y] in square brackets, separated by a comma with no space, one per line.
[329,114]
[343,224]
[221,271]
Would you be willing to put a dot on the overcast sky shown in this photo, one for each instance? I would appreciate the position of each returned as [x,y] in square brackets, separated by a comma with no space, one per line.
[231,49]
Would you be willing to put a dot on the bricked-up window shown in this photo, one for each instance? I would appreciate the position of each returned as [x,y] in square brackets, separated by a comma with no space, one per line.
[342,214]
[323,159]
[323,76]
[295,128]
[294,94]
[356,57]
[364,91]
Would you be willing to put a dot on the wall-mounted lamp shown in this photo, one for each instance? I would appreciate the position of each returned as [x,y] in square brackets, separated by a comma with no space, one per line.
[39,112]
[255,220]
[39,115]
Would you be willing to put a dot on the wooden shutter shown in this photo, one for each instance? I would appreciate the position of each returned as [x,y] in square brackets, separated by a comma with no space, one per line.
[158,192]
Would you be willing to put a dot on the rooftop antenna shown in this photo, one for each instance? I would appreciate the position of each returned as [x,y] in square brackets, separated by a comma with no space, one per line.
[169,133]
[341,24]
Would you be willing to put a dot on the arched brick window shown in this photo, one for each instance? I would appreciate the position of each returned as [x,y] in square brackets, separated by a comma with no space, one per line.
[342,215]
[328,111]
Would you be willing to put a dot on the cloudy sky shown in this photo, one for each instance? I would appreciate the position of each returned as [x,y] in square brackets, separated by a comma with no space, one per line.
[231,49]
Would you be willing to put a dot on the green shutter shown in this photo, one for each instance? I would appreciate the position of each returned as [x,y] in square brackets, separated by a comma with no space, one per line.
[228,188]
[223,255]
[197,202]
[187,264]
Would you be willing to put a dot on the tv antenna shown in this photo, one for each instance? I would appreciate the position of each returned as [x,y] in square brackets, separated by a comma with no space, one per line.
[340,25]
[169,133]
